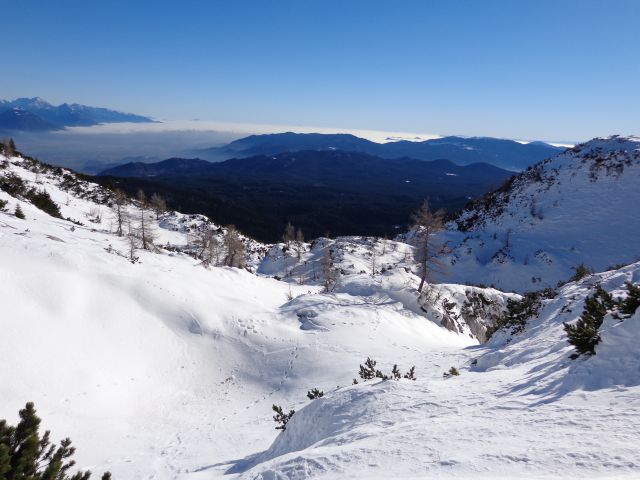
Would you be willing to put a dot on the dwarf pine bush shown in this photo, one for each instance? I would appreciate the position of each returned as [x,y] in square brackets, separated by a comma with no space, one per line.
[411,374]
[630,304]
[314,393]
[25,455]
[583,334]
[368,371]
[281,418]
[518,312]
[19,213]
[453,372]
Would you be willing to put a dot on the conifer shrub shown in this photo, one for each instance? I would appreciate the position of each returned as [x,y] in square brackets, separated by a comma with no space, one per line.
[3,204]
[19,213]
[583,334]
[25,455]
[517,314]
[381,375]
[520,311]
[368,371]
[630,304]
[42,200]
[581,271]
[15,186]
[281,418]
[12,184]
[314,393]
[453,372]
[411,374]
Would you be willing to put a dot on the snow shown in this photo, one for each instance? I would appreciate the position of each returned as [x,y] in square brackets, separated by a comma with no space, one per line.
[616,363]
[165,369]
[578,207]
[520,408]
[164,359]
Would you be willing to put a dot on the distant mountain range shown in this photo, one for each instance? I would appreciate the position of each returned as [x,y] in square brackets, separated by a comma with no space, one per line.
[36,114]
[16,118]
[336,191]
[507,154]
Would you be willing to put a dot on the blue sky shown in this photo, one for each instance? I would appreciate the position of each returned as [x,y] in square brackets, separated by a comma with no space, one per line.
[555,70]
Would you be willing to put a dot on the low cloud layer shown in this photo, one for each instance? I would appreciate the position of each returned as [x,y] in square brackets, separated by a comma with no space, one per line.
[92,149]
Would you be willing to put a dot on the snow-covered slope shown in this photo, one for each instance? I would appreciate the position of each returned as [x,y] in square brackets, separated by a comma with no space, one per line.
[577,208]
[171,365]
[368,266]
[519,409]
[166,369]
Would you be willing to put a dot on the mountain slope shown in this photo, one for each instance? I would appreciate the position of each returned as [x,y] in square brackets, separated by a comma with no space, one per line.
[209,350]
[576,208]
[519,403]
[506,154]
[66,115]
[16,118]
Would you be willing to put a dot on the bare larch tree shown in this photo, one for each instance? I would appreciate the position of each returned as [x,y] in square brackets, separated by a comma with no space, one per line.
[235,256]
[373,251]
[200,239]
[145,229]
[330,274]
[299,243]
[426,249]
[119,203]
[289,234]
[158,204]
